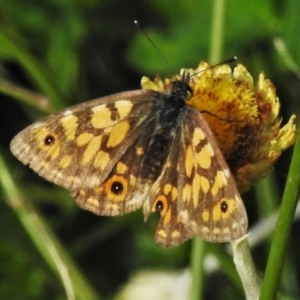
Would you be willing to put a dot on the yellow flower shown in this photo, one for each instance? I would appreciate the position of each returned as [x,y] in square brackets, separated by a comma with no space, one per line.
[242,116]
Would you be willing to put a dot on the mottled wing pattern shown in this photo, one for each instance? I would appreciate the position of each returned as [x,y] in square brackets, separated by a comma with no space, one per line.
[163,196]
[97,151]
[209,203]
[79,146]
[124,190]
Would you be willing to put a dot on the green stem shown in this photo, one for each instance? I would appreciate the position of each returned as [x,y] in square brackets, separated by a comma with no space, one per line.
[283,228]
[197,270]
[244,264]
[35,71]
[198,245]
[44,239]
[217,31]
[26,96]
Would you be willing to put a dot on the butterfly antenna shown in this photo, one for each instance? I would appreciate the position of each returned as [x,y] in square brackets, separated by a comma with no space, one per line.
[154,46]
[219,118]
[226,61]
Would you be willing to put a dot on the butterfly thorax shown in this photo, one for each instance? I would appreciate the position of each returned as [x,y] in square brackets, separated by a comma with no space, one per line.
[172,103]
[168,110]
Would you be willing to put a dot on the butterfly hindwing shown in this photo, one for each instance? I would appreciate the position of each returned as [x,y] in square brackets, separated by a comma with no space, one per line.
[163,197]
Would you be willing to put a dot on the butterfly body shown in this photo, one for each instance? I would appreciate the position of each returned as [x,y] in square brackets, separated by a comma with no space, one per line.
[168,110]
[140,149]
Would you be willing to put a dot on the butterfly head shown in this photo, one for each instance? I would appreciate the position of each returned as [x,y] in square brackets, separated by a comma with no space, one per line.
[181,88]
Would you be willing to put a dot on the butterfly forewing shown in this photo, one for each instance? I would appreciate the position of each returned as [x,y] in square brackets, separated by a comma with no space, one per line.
[209,203]
[124,190]
[79,146]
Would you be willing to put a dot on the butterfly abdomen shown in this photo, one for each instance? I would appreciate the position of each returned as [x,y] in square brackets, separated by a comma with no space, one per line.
[155,155]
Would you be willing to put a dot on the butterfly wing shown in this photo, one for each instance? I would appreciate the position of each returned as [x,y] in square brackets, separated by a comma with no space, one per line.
[195,192]
[79,146]
[163,197]
[124,190]
[209,203]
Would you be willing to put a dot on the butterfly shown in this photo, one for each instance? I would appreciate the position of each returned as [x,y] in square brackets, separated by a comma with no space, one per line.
[136,149]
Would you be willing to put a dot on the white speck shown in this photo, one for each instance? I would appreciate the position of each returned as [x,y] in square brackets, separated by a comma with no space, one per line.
[68,112]
[226,172]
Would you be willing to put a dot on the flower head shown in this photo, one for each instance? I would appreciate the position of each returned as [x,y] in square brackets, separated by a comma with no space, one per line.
[242,116]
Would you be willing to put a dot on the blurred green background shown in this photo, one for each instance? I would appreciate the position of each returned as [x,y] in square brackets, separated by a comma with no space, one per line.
[73,51]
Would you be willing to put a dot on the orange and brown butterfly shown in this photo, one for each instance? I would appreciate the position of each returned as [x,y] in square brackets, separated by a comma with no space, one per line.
[136,149]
